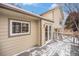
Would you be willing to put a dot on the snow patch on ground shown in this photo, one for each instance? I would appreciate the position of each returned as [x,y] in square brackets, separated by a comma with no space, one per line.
[58,48]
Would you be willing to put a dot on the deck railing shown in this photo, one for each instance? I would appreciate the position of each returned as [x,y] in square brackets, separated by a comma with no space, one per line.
[74,39]
[70,40]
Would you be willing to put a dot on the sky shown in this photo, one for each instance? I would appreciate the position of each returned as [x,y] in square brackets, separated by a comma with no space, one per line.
[37,8]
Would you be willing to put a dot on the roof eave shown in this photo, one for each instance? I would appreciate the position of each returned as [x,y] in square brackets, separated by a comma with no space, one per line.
[13,8]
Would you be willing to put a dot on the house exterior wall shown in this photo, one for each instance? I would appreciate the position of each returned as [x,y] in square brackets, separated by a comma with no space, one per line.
[14,45]
[55,15]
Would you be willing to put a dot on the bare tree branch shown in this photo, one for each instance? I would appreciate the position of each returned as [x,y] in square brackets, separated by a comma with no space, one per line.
[71,8]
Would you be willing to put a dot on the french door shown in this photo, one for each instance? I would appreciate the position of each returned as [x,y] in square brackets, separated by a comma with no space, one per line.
[48,32]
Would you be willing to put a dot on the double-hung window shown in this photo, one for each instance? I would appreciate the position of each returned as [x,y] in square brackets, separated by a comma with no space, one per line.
[19,27]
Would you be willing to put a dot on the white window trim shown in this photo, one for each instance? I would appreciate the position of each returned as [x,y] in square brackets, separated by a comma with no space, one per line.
[15,34]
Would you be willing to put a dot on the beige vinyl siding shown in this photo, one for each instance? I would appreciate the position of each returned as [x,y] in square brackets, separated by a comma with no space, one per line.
[38,32]
[14,45]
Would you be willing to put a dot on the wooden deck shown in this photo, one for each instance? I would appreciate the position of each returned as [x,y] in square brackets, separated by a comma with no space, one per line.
[61,45]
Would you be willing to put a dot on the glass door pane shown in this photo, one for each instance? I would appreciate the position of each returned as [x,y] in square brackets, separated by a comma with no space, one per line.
[46,33]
